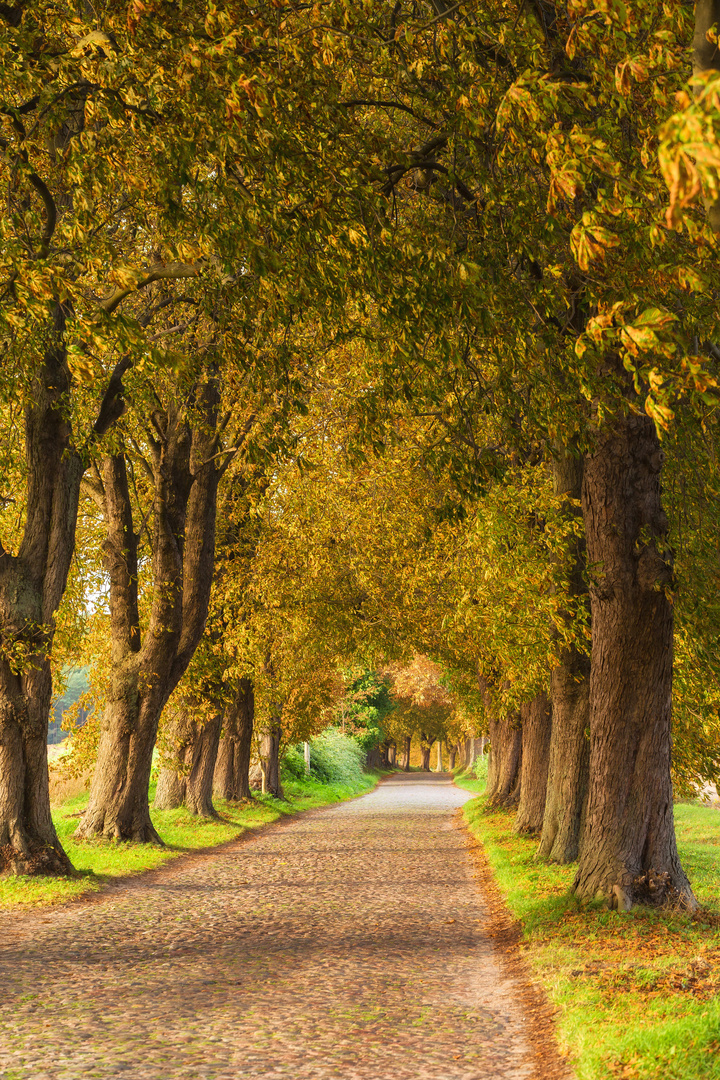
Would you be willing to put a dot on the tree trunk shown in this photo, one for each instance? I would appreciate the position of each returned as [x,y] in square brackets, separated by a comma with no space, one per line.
[452,754]
[425,748]
[270,759]
[569,764]
[145,674]
[504,773]
[629,852]
[392,755]
[569,759]
[232,779]
[439,764]
[536,727]
[31,588]
[406,753]
[190,785]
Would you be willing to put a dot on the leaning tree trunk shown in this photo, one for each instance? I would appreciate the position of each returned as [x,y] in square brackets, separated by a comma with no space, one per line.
[232,770]
[195,744]
[536,727]
[629,852]
[270,758]
[145,674]
[569,764]
[503,787]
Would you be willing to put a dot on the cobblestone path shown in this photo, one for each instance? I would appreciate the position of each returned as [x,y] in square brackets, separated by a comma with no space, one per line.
[342,943]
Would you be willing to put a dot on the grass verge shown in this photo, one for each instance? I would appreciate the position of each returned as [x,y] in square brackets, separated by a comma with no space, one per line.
[638,994]
[99,861]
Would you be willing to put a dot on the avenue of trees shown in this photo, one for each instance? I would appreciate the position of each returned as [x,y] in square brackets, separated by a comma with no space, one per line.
[363,338]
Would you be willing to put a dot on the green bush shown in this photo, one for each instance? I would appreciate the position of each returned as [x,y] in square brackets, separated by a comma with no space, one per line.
[336,758]
[292,765]
[480,768]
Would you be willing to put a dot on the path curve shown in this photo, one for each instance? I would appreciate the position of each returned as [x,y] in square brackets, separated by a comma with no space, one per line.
[346,942]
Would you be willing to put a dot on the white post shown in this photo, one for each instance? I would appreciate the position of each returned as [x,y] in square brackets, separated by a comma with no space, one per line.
[306,747]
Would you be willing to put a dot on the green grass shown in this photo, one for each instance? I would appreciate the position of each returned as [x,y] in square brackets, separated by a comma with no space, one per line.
[97,862]
[638,993]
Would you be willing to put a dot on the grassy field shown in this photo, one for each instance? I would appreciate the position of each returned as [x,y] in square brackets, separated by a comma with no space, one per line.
[638,993]
[99,861]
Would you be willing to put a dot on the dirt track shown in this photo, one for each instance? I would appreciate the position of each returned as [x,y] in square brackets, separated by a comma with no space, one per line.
[347,943]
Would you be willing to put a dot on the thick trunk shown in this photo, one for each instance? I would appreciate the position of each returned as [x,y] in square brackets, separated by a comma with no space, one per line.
[28,841]
[568,768]
[569,759]
[629,852]
[452,755]
[31,588]
[196,747]
[145,674]
[270,759]
[232,770]
[392,755]
[119,807]
[536,727]
[503,787]
[407,743]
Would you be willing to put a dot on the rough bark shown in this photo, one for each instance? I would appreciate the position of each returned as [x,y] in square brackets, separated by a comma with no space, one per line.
[232,770]
[195,742]
[569,764]
[536,722]
[503,788]
[31,587]
[270,758]
[629,852]
[185,477]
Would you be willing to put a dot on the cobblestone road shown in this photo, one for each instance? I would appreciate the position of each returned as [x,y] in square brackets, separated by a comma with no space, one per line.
[342,943]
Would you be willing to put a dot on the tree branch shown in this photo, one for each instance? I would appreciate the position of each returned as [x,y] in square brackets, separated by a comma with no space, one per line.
[356,102]
[112,405]
[174,271]
[50,209]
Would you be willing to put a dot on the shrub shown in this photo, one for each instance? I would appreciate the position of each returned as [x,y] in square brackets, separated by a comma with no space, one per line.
[336,758]
[293,764]
[480,768]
